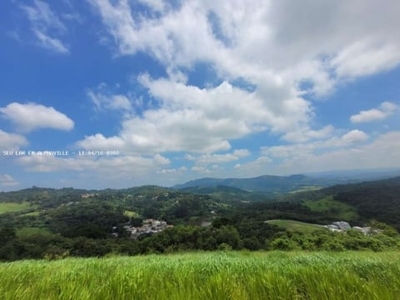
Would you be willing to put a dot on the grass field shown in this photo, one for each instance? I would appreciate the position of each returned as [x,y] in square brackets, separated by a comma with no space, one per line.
[30,231]
[295,225]
[217,275]
[341,211]
[131,214]
[6,207]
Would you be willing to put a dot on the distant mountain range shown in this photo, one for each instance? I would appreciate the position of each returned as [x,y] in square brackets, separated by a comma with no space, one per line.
[262,184]
[269,184]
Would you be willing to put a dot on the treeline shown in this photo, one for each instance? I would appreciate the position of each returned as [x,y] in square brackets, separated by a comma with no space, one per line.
[378,200]
[374,201]
[190,238]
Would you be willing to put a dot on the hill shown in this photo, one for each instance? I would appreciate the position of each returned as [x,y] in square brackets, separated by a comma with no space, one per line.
[227,193]
[278,185]
[361,202]
[269,184]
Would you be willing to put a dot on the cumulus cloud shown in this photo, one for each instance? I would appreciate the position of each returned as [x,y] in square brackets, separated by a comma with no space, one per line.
[351,138]
[46,25]
[120,166]
[254,40]
[192,119]
[376,114]
[378,153]
[100,142]
[352,150]
[354,136]
[11,141]
[32,116]
[250,35]
[7,180]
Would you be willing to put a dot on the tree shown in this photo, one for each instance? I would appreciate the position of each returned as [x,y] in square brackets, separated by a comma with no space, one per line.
[7,234]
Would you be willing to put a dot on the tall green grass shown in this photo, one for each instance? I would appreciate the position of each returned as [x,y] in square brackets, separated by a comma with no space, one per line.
[218,275]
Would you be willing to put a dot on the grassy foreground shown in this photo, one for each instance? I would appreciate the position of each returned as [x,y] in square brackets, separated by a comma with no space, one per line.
[218,275]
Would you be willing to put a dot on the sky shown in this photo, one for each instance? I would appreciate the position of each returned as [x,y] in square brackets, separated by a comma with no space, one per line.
[120,93]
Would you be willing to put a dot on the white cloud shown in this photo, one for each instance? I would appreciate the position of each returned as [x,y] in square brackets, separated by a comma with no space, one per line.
[172,171]
[45,24]
[192,119]
[352,150]
[100,142]
[198,169]
[7,180]
[207,159]
[156,5]
[275,46]
[32,116]
[346,140]
[11,141]
[354,136]
[50,43]
[379,153]
[106,100]
[376,114]
[303,134]
[366,58]
[255,32]
[257,167]
[117,166]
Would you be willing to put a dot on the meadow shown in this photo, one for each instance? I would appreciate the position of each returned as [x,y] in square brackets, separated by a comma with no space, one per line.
[6,207]
[297,226]
[213,275]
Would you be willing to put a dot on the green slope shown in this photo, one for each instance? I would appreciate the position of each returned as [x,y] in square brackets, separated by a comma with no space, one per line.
[295,226]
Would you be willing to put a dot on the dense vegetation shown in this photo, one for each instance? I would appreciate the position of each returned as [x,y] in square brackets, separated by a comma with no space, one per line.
[218,275]
[48,223]
[379,200]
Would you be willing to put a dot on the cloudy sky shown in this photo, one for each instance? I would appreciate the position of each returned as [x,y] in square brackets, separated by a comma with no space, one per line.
[178,90]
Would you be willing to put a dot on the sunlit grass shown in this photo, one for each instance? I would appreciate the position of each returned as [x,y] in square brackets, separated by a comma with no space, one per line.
[6,207]
[342,211]
[292,225]
[131,214]
[218,275]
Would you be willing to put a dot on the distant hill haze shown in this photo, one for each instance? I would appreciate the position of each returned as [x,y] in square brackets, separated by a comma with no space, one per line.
[285,184]
[261,184]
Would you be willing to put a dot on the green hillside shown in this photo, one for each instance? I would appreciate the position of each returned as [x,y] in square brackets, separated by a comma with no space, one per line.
[6,207]
[358,203]
[333,208]
[227,193]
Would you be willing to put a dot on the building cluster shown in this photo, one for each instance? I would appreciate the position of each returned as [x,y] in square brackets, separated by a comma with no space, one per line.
[88,195]
[342,226]
[149,226]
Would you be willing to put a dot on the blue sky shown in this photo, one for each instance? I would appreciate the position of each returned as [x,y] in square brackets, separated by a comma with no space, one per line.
[178,90]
